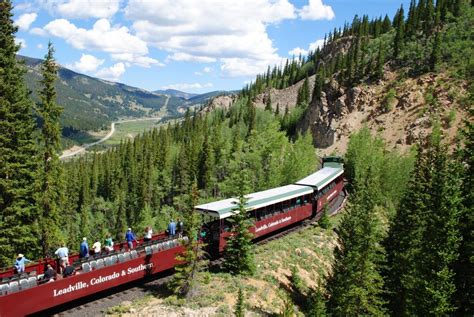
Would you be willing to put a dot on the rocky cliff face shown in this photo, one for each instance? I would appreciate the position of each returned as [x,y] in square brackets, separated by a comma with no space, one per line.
[220,102]
[399,109]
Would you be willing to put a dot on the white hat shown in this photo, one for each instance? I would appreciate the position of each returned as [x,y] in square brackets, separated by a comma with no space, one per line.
[20,255]
[129,229]
[84,239]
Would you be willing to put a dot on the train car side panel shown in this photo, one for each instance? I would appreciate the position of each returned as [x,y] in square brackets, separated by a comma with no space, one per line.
[65,290]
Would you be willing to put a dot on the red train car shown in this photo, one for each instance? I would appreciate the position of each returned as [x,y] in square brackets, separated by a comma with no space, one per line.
[276,208]
[24,295]
[272,210]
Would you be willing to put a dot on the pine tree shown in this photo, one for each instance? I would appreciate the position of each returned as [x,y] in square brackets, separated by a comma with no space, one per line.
[250,117]
[317,304]
[400,33]
[423,240]
[18,152]
[51,183]
[435,58]
[193,256]
[356,285]
[380,62]
[268,103]
[239,258]
[240,305]
[324,222]
[464,266]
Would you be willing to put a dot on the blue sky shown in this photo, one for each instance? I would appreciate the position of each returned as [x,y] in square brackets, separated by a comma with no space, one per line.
[189,45]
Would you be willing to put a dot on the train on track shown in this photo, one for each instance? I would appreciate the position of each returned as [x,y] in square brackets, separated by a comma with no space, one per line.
[273,210]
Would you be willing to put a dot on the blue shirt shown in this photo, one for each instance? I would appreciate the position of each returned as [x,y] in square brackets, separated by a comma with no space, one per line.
[62,252]
[20,264]
[172,228]
[129,236]
[84,250]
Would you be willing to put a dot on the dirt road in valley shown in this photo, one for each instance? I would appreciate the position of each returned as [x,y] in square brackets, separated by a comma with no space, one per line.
[80,149]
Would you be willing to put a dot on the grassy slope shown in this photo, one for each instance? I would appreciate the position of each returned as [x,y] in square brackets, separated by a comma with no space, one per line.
[310,250]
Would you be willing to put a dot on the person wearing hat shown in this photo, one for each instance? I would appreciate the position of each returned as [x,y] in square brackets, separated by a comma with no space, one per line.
[130,237]
[84,249]
[20,263]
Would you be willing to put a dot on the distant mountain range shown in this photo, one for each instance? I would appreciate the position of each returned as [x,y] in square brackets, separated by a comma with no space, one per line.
[92,103]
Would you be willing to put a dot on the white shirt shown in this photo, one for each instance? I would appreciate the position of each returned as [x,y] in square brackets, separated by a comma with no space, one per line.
[148,234]
[96,246]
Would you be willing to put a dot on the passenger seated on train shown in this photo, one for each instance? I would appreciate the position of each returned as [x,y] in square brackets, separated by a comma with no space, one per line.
[109,244]
[69,271]
[148,234]
[49,274]
[97,247]
[20,263]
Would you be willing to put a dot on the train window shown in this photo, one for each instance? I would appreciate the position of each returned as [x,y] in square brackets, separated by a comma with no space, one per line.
[227,225]
[299,201]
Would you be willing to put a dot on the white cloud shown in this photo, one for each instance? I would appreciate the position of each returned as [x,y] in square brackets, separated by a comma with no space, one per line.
[297,51]
[184,57]
[316,10]
[111,73]
[231,32]
[115,40]
[186,86]
[78,9]
[21,42]
[86,64]
[143,61]
[318,43]
[25,20]
[40,46]
[205,70]
[102,36]
[38,31]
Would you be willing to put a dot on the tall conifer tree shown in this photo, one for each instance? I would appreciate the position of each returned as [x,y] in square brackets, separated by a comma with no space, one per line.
[238,256]
[356,284]
[51,183]
[18,152]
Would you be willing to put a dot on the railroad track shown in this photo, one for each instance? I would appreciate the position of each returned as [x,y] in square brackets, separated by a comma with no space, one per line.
[98,304]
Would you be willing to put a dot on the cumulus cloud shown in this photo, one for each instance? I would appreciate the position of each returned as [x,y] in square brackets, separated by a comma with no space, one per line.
[205,70]
[86,64]
[235,35]
[143,61]
[21,42]
[185,57]
[38,31]
[316,10]
[111,73]
[318,43]
[25,20]
[297,51]
[115,40]
[79,9]
[188,86]
[312,47]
